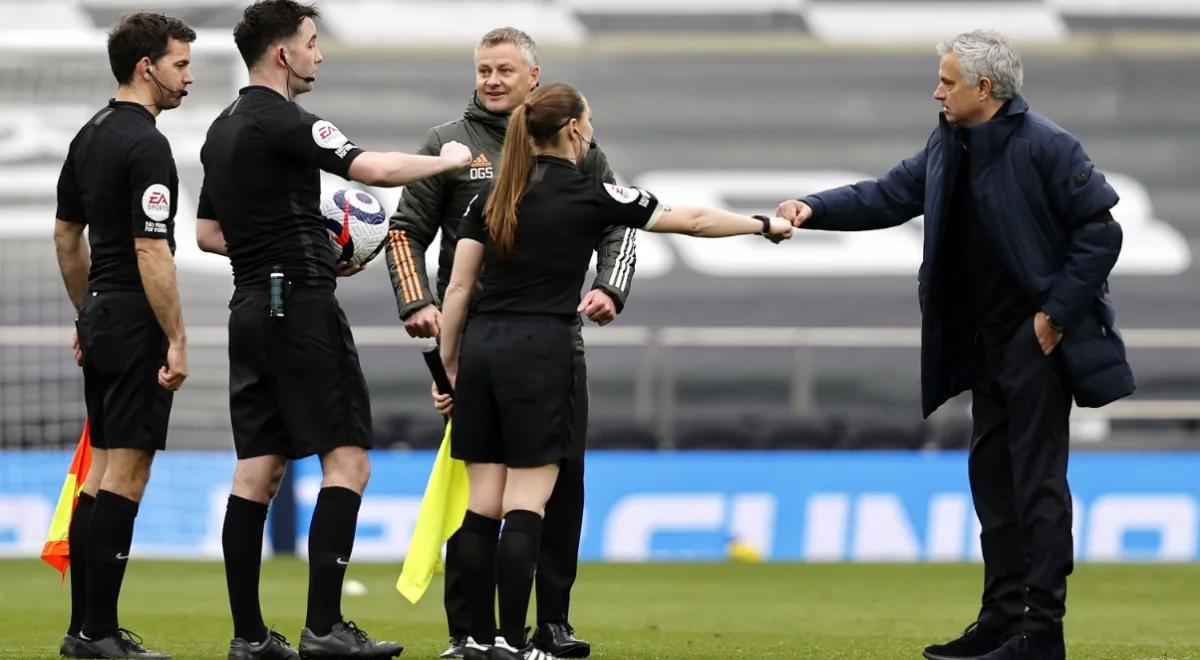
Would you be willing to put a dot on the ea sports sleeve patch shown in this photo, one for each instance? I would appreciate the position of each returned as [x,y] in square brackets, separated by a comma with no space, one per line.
[151,181]
[630,207]
[621,193]
[327,145]
[306,136]
[156,205]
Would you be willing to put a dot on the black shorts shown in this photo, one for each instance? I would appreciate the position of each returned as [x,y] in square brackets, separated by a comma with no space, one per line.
[123,349]
[296,387]
[514,401]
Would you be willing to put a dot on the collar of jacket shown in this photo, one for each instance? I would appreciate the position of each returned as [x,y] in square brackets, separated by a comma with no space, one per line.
[493,121]
[989,137]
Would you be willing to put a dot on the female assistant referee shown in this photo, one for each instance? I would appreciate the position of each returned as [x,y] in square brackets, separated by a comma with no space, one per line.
[532,234]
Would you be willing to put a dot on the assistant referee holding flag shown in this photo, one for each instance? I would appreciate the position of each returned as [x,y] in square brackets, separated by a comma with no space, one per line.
[506,71]
[119,182]
[295,384]
[532,237]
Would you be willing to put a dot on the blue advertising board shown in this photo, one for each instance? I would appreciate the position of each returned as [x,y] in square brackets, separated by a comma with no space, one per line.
[662,506]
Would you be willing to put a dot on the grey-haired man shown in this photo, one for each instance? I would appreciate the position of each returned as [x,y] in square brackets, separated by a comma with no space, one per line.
[1019,243]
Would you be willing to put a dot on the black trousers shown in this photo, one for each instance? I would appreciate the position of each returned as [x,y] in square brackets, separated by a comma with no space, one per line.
[558,560]
[1018,469]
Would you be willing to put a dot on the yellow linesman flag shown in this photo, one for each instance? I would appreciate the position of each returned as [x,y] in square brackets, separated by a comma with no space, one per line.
[442,509]
[57,551]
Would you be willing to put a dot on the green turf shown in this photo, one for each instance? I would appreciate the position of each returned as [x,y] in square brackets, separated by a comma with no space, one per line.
[636,612]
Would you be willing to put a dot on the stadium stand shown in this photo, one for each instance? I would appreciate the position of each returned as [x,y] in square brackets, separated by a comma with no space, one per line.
[831,322]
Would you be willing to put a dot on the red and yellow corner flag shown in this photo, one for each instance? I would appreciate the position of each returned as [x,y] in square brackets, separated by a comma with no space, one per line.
[57,551]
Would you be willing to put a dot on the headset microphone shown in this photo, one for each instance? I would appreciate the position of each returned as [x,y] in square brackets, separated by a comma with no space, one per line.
[180,92]
[292,71]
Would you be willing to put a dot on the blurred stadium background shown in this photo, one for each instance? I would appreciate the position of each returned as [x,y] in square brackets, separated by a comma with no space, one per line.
[744,350]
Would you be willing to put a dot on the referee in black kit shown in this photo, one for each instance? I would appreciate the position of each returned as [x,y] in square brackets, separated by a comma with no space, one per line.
[506,71]
[532,236]
[295,384]
[119,182]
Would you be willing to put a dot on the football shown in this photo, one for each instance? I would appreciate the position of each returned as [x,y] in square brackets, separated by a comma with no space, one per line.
[356,222]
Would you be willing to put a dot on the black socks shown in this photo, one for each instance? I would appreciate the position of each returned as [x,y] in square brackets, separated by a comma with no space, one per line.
[77,540]
[241,541]
[109,535]
[476,548]
[516,564]
[330,541]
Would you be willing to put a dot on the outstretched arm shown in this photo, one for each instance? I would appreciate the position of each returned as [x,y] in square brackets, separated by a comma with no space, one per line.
[389,169]
[705,222]
[893,199]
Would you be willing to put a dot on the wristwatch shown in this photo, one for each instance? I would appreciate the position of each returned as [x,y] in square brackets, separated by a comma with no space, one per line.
[766,223]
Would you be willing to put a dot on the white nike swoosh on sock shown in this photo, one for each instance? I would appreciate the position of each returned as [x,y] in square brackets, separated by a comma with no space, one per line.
[342,562]
[122,557]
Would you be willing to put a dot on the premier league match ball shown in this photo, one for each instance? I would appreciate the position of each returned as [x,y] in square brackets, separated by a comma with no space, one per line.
[356,222]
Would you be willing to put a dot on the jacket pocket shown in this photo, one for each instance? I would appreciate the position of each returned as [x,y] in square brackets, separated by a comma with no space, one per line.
[1094,357]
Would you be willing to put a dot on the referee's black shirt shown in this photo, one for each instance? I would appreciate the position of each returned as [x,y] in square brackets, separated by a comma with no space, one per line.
[119,179]
[262,182]
[561,218]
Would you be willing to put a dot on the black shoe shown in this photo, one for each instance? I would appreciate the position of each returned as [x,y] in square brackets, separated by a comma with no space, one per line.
[558,639]
[1030,646]
[72,647]
[502,651]
[455,650]
[121,644]
[975,641]
[274,647]
[346,640]
[472,650]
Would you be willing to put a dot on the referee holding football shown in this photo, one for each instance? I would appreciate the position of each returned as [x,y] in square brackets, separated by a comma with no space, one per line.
[119,182]
[532,235]
[506,66]
[295,384]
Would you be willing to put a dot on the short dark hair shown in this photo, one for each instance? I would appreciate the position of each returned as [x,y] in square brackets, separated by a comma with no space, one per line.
[143,34]
[267,22]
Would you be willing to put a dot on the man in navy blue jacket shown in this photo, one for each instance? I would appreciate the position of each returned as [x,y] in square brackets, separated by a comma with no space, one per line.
[1019,243]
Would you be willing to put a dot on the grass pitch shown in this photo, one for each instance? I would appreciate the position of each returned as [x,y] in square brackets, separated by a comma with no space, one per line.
[639,612]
